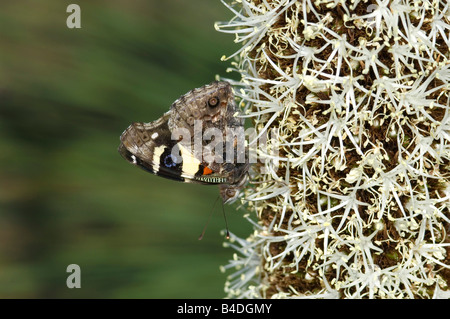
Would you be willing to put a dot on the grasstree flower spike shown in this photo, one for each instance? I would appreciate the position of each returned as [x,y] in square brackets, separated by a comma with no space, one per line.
[356,203]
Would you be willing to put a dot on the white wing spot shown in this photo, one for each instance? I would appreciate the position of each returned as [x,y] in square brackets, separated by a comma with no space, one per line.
[134,159]
[154,135]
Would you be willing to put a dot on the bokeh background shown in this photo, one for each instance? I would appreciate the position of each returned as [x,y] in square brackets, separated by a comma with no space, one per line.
[66,195]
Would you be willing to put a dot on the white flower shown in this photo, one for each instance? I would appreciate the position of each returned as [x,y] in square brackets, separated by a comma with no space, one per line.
[355,203]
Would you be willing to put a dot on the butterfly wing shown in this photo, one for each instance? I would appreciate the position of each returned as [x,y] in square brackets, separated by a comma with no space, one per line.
[209,115]
[149,146]
[175,147]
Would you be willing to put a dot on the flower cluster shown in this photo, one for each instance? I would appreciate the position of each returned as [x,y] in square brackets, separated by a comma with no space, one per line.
[356,201]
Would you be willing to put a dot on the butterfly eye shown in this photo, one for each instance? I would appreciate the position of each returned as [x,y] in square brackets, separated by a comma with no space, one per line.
[213,102]
[230,192]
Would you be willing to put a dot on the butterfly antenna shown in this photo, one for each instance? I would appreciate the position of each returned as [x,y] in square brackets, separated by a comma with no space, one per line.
[226,222]
[209,218]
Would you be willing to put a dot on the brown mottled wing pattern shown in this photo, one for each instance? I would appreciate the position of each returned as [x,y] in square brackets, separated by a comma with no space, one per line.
[211,107]
[149,146]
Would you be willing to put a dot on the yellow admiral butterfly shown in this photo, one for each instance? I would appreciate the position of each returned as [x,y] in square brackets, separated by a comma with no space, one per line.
[199,140]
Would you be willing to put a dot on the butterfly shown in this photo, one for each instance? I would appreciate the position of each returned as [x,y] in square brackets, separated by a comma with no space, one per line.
[199,140]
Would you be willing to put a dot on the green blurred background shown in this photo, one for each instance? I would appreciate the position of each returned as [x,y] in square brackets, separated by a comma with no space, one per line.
[66,195]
